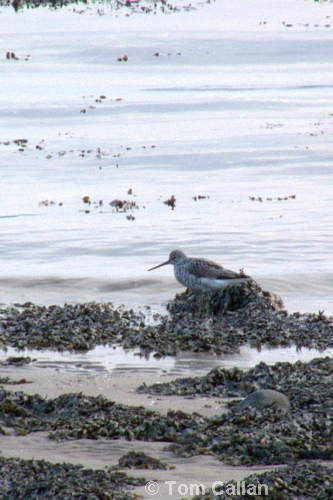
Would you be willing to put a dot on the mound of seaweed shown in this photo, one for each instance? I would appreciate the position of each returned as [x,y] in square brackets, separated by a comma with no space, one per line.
[23,479]
[218,323]
[68,327]
[266,437]
[305,481]
[139,460]
[246,314]
[307,385]
[76,416]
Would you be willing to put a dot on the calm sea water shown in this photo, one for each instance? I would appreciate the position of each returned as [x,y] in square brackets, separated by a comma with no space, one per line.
[235,106]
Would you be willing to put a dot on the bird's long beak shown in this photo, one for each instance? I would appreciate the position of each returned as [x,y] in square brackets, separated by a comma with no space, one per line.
[160,265]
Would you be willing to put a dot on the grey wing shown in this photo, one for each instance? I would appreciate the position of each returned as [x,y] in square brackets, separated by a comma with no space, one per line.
[203,268]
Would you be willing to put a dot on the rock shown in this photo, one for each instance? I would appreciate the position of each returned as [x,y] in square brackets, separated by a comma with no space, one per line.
[266,398]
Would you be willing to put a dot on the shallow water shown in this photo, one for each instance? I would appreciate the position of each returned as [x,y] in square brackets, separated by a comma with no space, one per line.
[118,361]
[232,108]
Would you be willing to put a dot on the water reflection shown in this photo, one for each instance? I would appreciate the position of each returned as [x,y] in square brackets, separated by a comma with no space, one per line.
[116,360]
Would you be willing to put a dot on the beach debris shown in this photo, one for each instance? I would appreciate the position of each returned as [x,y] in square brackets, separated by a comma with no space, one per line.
[279,198]
[46,203]
[171,202]
[11,55]
[18,360]
[20,142]
[9,381]
[123,205]
[139,460]
[200,197]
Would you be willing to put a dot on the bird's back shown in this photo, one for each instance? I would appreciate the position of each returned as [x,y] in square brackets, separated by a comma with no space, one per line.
[204,268]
